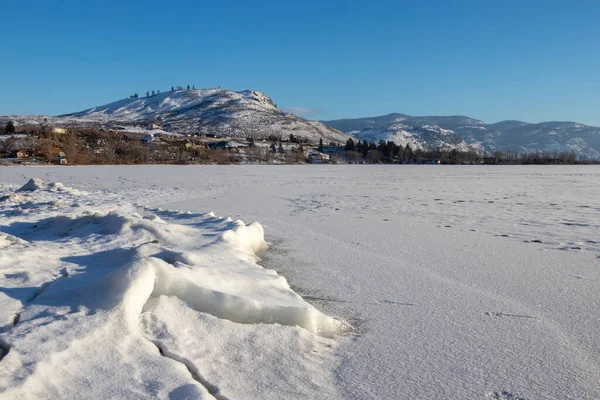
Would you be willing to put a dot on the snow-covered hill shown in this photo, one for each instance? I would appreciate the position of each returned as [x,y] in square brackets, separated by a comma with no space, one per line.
[382,122]
[427,137]
[518,136]
[218,112]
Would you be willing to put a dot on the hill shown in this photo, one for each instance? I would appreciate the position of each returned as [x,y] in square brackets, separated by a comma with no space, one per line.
[512,135]
[218,112]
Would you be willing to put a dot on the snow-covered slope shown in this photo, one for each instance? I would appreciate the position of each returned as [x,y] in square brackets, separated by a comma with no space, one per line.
[518,136]
[212,111]
[427,137]
[219,112]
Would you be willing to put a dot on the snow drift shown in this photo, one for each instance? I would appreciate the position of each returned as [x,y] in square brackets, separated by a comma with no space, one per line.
[87,279]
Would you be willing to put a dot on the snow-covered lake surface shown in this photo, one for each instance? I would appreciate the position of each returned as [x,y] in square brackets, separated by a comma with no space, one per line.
[417,282]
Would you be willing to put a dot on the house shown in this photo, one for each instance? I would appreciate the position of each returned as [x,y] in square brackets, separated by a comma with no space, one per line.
[226,145]
[59,130]
[147,139]
[317,157]
[333,150]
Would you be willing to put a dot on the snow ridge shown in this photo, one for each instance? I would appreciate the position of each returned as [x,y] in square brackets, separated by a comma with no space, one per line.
[88,278]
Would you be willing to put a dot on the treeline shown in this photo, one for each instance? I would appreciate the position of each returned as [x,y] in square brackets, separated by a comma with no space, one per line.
[389,152]
[543,158]
[155,92]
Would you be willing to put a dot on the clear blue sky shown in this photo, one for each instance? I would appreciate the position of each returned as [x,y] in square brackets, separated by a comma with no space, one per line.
[531,60]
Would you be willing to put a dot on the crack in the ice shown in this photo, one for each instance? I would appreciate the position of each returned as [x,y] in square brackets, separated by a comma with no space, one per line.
[212,389]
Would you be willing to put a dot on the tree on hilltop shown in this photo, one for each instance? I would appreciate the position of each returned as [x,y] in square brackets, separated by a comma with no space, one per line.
[9,129]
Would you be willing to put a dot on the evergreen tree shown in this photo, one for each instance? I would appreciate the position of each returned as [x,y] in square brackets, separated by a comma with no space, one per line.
[147,94]
[349,145]
[320,144]
[193,87]
[400,153]
[9,129]
[408,153]
[188,87]
[153,93]
[273,147]
[280,148]
[158,91]
[172,89]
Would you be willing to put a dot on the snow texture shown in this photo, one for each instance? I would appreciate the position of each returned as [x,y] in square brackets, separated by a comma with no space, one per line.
[102,295]
[459,282]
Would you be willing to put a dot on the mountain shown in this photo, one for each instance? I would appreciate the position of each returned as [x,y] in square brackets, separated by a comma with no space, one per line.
[519,136]
[220,112]
[382,122]
[554,136]
[427,137]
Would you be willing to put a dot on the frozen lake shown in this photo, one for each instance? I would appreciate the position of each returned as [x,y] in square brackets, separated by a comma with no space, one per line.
[460,282]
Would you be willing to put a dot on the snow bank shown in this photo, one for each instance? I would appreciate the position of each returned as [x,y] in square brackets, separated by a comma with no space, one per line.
[82,272]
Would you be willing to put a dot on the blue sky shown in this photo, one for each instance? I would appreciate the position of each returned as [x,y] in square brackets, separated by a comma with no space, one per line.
[529,60]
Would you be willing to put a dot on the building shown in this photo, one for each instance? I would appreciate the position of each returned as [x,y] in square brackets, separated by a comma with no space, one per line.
[317,157]
[147,139]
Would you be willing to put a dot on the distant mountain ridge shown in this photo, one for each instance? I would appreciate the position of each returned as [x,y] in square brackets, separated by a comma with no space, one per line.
[219,112]
[553,136]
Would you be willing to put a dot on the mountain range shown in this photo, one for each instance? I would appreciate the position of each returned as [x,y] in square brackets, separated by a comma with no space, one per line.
[457,130]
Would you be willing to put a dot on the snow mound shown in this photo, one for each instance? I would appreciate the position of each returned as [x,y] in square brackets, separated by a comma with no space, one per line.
[36,184]
[88,290]
[32,185]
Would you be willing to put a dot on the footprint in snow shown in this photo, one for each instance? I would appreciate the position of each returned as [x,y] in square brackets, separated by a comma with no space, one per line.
[501,314]
[504,395]
[395,303]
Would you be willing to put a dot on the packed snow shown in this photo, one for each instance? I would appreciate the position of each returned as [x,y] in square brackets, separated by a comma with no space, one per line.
[358,282]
